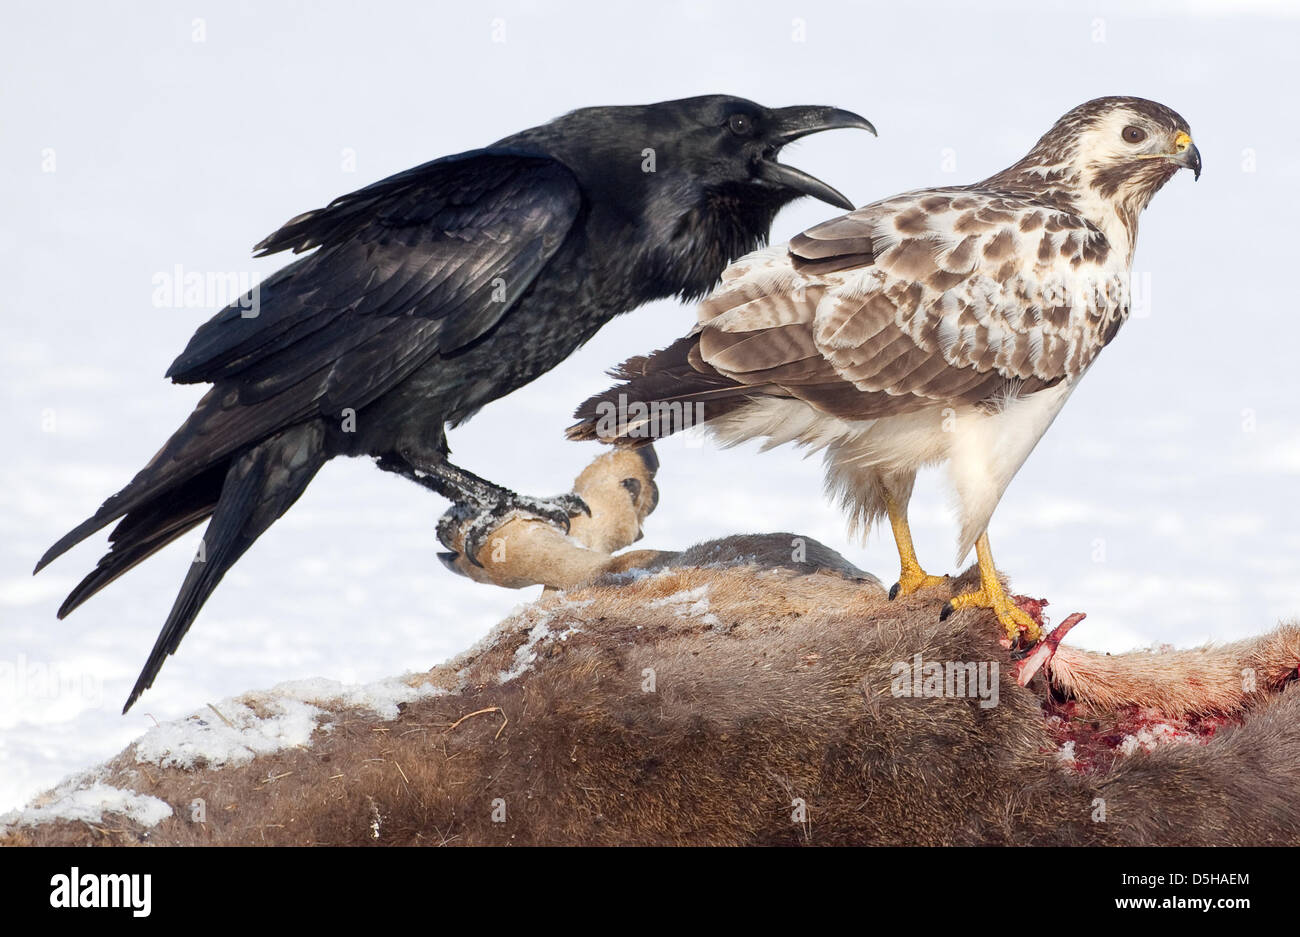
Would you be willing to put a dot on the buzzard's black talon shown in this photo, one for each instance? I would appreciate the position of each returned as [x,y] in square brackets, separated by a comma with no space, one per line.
[633,486]
[894,590]
[449,560]
[946,611]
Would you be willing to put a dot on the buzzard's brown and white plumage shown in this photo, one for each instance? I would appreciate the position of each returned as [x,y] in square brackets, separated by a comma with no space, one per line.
[941,325]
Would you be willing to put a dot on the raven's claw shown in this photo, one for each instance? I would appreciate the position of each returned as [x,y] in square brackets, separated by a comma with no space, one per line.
[479,522]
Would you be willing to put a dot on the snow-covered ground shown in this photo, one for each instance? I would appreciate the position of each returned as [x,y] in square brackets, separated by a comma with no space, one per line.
[1163,502]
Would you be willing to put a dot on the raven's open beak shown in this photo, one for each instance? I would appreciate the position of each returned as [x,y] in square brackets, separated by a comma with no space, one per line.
[789,124]
[1186,154]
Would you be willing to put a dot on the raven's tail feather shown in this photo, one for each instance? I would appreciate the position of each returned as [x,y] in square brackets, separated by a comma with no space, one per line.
[149,528]
[260,485]
[209,440]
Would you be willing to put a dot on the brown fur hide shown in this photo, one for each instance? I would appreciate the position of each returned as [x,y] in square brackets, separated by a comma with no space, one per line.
[734,696]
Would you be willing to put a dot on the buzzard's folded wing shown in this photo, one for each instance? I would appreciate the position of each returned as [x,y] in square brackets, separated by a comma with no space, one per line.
[931,297]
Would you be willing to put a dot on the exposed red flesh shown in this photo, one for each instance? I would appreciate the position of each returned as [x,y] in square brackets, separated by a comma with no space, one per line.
[1098,743]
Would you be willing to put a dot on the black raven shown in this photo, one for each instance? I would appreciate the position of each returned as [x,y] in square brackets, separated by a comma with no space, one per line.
[432,293]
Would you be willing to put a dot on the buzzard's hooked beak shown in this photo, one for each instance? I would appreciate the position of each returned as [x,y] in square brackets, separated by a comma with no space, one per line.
[1186,154]
[789,124]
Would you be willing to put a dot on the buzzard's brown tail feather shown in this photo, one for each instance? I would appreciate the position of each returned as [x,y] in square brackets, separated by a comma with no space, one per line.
[662,393]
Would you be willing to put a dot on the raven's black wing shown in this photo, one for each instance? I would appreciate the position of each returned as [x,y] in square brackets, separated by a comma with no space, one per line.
[420,263]
[453,242]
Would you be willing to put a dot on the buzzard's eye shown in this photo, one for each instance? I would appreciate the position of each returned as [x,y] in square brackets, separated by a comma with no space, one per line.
[1134,134]
[740,125]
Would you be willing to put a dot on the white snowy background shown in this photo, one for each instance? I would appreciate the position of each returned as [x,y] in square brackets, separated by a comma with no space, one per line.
[136,137]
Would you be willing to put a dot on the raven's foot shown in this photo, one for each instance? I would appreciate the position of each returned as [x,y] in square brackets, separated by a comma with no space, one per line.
[474,524]
[514,541]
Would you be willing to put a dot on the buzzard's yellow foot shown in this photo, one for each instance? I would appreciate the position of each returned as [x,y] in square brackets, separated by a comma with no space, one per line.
[1015,620]
[914,579]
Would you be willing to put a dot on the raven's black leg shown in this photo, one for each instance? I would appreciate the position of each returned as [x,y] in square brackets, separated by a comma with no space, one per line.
[446,479]
[480,506]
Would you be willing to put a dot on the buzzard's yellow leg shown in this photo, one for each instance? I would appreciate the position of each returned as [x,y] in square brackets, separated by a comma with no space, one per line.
[990,594]
[912,577]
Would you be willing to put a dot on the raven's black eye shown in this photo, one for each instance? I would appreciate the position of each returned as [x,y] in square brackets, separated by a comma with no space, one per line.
[1134,134]
[740,125]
